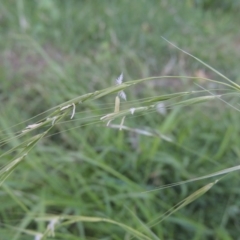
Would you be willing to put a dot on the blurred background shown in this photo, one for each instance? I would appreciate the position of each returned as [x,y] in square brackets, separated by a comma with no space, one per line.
[52,51]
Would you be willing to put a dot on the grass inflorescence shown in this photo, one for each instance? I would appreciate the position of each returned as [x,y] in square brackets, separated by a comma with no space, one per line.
[152,158]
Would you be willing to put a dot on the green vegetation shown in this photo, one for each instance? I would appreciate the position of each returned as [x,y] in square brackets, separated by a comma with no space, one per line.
[171,172]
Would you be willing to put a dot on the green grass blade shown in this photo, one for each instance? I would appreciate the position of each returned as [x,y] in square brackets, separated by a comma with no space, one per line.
[205,64]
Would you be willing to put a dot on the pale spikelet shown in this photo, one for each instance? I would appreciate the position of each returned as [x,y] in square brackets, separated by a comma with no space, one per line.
[38,236]
[122,95]
[132,110]
[119,79]
[73,111]
[161,108]
[31,126]
[51,227]
[53,120]
[65,107]
[68,106]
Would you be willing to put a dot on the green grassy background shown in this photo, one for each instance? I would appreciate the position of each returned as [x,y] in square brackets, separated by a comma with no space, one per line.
[52,51]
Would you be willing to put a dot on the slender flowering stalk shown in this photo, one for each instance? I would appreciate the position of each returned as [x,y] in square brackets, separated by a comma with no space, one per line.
[122,122]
